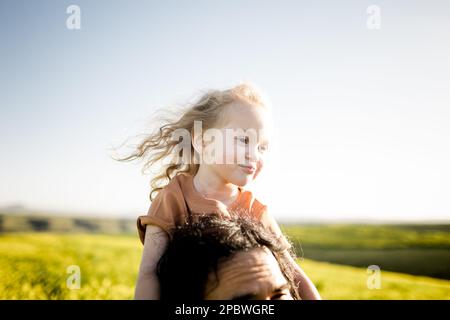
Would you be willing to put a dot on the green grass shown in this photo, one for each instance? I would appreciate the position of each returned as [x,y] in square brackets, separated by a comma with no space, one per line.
[419,249]
[344,282]
[34,266]
[354,236]
[413,249]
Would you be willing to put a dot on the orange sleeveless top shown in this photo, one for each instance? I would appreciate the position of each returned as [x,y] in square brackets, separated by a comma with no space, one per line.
[169,208]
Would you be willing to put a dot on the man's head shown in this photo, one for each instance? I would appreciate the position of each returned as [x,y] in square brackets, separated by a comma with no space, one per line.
[216,258]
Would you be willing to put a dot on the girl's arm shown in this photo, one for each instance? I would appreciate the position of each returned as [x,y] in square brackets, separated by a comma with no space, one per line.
[305,287]
[147,285]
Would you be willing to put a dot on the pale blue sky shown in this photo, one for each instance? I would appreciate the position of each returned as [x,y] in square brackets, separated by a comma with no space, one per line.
[362,117]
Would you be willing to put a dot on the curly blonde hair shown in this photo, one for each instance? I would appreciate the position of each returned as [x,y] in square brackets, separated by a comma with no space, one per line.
[160,145]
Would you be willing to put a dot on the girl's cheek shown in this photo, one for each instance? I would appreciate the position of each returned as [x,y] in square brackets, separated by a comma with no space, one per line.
[240,155]
[234,154]
[258,169]
[208,154]
[213,155]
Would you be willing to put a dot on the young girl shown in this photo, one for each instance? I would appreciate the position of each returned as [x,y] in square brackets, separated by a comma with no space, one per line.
[198,184]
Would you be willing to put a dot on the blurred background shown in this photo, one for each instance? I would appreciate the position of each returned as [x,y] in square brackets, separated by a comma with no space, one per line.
[358,172]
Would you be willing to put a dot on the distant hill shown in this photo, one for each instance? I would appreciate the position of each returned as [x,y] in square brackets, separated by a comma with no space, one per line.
[19,209]
[29,222]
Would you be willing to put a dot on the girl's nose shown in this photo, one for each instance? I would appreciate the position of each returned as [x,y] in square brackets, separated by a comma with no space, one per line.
[251,155]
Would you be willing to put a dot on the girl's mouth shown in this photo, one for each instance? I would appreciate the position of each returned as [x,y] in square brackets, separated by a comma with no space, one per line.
[248,169]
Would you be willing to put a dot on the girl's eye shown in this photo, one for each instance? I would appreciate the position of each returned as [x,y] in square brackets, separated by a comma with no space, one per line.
[244,140]
[263,148]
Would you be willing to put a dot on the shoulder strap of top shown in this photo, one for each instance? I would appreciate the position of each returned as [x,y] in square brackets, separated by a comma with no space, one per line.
[189,213]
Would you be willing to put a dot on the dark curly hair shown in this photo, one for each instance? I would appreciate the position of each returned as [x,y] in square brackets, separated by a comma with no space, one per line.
[196,249]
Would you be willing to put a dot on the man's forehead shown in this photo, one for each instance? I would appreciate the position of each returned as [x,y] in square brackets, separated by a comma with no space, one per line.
[256,256]
[252,271]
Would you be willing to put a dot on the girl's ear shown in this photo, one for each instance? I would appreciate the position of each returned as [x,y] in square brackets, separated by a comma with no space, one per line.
[197,142]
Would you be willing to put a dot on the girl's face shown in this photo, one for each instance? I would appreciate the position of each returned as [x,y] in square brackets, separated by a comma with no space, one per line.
[245,140]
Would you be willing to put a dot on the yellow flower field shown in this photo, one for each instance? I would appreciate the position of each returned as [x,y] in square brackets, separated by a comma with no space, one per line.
[36,266]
